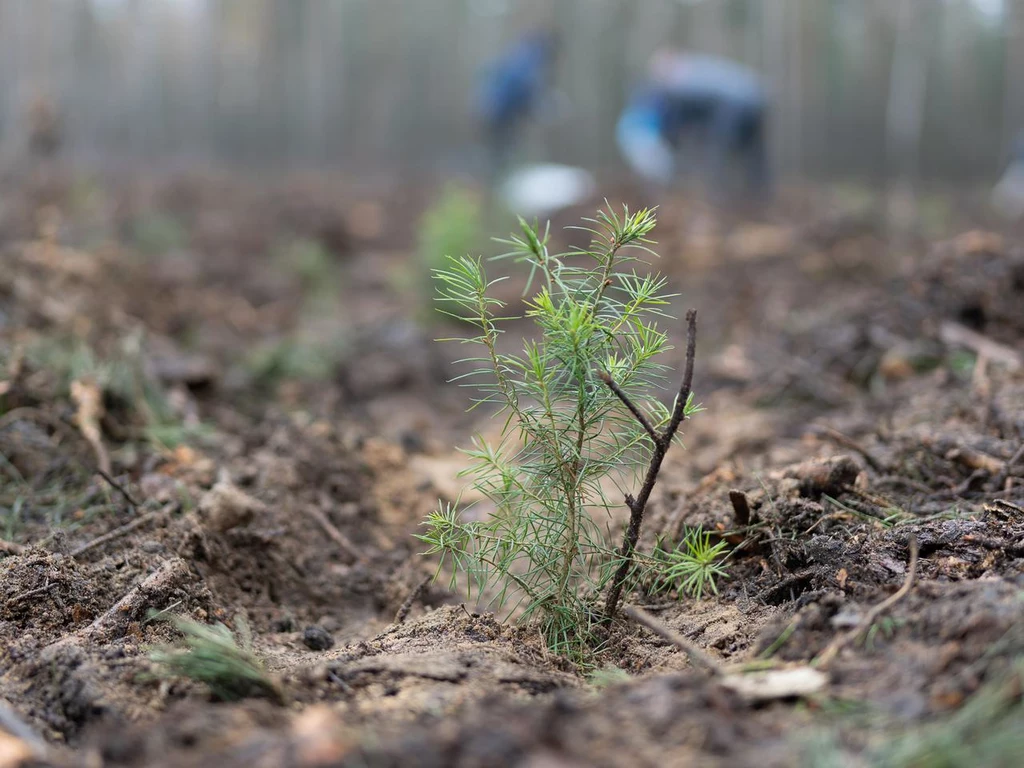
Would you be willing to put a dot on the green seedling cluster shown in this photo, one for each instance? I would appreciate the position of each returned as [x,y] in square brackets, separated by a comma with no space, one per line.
[694,567]
[581,413]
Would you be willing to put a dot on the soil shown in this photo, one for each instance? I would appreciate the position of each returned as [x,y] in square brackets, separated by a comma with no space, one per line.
[197,420]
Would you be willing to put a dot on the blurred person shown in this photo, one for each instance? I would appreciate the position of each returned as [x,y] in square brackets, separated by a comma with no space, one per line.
[514,88]
[1008,193]
[717,103]
[44,128]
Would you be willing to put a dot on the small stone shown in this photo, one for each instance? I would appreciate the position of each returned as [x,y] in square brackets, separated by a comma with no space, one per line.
[317,638]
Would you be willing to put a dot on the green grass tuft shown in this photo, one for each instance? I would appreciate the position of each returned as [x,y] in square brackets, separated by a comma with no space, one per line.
[211,655]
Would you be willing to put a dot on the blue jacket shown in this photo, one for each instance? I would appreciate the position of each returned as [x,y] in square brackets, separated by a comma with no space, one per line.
[695,89]
[514,85]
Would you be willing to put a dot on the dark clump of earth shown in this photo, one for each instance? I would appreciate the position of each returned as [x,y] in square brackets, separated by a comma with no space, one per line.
[317,638]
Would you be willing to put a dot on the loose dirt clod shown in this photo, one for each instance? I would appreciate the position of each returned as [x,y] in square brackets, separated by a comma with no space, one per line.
[825,477]
[226,506]
[151,594]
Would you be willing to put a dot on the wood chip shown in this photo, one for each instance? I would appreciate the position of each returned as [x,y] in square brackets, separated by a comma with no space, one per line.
[773,684]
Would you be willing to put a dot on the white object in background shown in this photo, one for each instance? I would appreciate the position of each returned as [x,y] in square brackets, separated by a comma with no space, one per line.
[1008,194]
[540,190]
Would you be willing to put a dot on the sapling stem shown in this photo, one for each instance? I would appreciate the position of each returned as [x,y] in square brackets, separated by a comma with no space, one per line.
[661,442]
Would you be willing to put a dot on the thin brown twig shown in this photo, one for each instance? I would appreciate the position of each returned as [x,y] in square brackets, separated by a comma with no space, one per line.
[841,641]
[1002,477]
[1017,456]
[332,532]
[152,591]
[403,610]
[114,534]
[848,442]
[957,335]
[10,548]
[740,506]
[31,593]
[662,442]
[697,656]
[118,487]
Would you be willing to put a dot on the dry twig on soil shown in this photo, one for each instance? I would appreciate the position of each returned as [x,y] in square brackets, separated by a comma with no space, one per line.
[661,441]
[89,410]
[153,590]
[10,548]
[697,656]
[956,335]
[832,650]
[118,487]
[332,532]
[31,593]
[848,442]
[115,534]
[1004,475]
[403,610]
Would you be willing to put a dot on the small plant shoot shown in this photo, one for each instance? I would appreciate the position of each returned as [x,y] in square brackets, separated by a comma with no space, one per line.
[581,416]
[211,655]
[694,567]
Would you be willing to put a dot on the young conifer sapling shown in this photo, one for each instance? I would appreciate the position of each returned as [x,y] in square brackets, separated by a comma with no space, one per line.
[581,415]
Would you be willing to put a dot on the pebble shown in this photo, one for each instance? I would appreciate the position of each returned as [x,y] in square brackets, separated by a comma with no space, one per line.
[317,638]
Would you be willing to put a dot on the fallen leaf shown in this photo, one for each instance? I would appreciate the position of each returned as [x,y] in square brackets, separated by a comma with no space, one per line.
[89,410]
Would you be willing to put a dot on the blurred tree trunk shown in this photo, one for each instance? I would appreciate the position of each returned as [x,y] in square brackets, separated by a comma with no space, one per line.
[904,115]
[1013,112]
[773,26]
[908,80]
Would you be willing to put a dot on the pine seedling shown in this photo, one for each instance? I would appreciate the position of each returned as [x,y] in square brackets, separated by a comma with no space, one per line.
[580,410]
[212,656]
[693,567]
